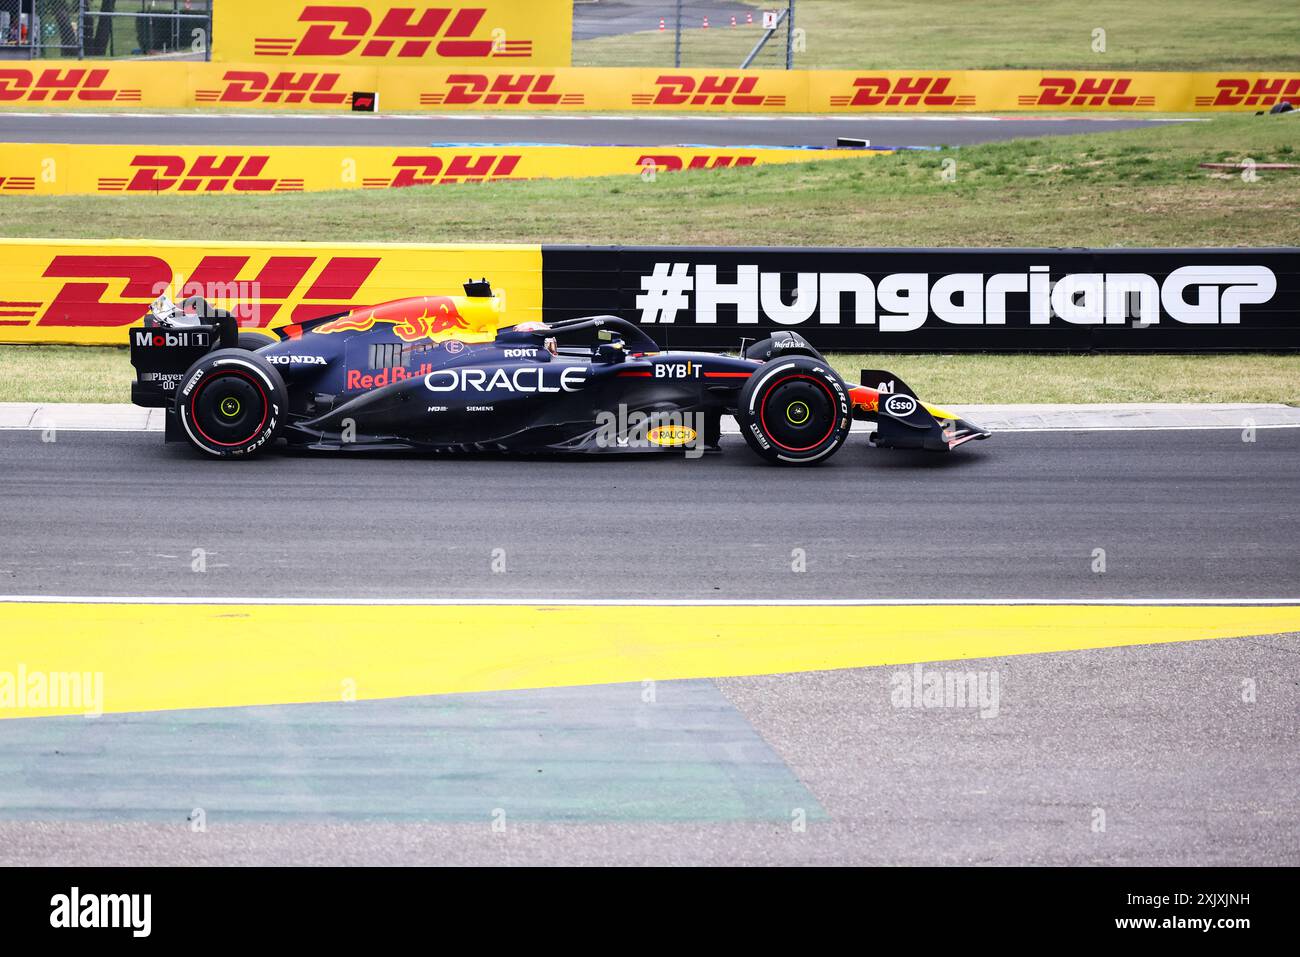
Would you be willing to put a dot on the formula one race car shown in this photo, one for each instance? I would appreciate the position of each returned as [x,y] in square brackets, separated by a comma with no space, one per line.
[442,373]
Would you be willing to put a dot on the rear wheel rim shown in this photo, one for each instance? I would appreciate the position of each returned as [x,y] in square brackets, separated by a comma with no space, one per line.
[230,409]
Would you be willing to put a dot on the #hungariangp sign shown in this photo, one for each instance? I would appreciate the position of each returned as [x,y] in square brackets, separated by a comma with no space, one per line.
[938,299]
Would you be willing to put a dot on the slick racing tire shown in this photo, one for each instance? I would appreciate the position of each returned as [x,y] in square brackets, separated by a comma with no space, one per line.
[252,341]
[794,411]
[231,403]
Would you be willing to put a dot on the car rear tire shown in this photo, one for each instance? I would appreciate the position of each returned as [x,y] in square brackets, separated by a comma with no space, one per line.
[231,403]
[794,411]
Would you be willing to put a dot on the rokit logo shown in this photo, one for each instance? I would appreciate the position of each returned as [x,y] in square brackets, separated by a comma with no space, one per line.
[904,302]
[153,338]
[401,33]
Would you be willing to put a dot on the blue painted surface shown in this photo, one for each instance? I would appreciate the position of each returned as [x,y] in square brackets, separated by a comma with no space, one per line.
[584,754]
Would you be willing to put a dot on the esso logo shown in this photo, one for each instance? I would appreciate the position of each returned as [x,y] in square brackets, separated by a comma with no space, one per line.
[454,346]
[900,405]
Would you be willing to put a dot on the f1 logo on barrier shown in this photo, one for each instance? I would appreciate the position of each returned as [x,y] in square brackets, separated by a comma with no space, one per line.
[141,279]
[209,174]
[1265,91]
[1088,91]
[509,89]
[339,30]
[723,89]
[902,91]
[430,170]
[253,86]
[56,86]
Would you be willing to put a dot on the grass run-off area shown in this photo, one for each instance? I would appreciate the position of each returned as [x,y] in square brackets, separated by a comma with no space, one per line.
[990,34]
[104,374]
[1125,188]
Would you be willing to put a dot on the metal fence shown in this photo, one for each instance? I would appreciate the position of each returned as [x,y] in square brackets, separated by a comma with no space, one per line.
[159,29]
[685,33]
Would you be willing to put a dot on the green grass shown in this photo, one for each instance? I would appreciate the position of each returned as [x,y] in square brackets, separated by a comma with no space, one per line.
[65,374]
[990,34]
[1130,188]
[104,374]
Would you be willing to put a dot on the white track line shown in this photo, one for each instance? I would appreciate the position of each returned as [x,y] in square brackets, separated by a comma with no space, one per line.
[637,602]
[637,117]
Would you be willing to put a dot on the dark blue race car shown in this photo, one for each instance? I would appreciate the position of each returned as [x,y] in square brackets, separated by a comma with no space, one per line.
[442,373]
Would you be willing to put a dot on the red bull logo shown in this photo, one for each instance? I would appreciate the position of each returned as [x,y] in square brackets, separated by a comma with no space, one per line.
[356,379]
[413,319]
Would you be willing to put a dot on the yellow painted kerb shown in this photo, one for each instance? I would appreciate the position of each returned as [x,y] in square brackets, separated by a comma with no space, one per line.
[175,656]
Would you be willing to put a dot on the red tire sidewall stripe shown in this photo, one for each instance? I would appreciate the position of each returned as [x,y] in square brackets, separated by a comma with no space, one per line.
[762,409]
[266,407]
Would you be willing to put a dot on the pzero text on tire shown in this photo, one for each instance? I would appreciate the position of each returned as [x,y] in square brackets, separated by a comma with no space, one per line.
[795,411]
[231,403]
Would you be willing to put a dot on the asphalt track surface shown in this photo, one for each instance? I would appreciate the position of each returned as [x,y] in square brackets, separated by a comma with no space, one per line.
[1180,514]
[644,130]
[1154,742]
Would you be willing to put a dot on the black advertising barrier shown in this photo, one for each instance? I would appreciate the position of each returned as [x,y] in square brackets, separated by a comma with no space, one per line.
[938,300]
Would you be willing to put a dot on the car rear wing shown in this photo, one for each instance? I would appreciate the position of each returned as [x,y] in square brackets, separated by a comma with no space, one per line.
[171,340]
[903,421]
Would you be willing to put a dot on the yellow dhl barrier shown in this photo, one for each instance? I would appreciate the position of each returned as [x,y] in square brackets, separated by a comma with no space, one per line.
[89,292]
[65,169]
[321,87]
[495,32]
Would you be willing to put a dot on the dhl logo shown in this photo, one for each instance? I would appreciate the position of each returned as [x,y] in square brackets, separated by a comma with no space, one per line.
[336,31]
[206,173]
[1264,91]
[902,91]
[732,89]
[18,184]
[57,86]
[431,170]
[420,317]
[702,161]
[1088,91]
[510,89]
[279,283]
[254,86]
